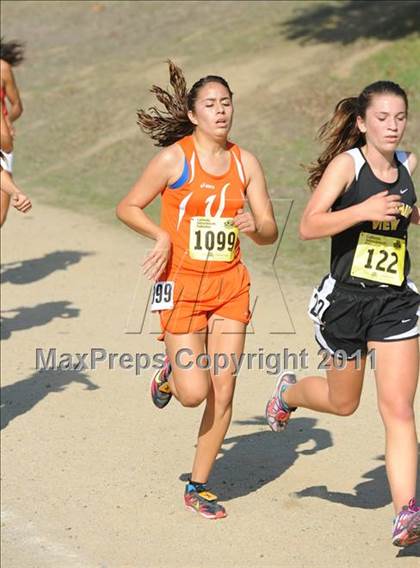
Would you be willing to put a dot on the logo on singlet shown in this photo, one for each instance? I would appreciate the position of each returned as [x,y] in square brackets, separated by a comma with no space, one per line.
[404,210]
[403,190]
[207,186]
[386,225]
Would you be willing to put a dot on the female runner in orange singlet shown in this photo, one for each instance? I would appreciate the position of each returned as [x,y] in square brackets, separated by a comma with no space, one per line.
[202,287]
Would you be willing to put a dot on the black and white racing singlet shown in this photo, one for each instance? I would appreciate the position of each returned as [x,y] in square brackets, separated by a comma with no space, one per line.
[374,253]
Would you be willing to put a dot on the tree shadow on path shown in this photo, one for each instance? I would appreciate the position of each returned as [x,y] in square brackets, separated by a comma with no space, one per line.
[27,318]
[347,21]
[27,271]
[20,397]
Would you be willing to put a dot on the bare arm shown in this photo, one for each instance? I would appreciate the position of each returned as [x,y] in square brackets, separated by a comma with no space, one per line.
[12,91]
[163,169]
[412,165]
[153,180]
[319,221]
[415,216]
[261,227]
[19,199]
[6,137]
[7,184]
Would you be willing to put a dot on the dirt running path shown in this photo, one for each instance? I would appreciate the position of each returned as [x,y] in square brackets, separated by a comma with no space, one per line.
[91,469]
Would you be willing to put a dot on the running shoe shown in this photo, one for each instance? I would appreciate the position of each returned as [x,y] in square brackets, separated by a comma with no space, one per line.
[406,528]
[159,386]
[277,412]
[201,501]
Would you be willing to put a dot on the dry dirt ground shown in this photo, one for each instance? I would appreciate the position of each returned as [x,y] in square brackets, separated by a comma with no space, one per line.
[92,473]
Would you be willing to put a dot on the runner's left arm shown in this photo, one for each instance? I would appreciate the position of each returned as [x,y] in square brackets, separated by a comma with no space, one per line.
[412,164]
[19,200]
[259,224]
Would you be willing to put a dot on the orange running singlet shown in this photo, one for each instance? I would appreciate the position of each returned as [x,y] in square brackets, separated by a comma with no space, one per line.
[3,101]
[198,210]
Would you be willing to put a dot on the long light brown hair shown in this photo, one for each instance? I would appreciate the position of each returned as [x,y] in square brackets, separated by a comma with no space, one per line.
[171,124]
[341,132]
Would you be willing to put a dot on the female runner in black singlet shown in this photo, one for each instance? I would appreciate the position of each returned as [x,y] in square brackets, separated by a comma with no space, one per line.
[364,199]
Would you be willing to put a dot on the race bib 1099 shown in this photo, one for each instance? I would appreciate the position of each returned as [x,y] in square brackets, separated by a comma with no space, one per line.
[212,238]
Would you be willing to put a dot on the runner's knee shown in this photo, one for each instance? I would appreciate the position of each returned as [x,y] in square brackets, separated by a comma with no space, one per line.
[345,408]
[223,395]
[394,409]
[192,399]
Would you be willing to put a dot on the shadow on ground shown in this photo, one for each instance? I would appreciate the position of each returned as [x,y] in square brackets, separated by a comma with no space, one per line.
[412,551]
[27,318]
[27,271]
[20,397]
[251,461]
[350,20]
[371,494]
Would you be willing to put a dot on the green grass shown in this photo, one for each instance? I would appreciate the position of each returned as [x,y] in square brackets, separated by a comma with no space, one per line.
[88,71]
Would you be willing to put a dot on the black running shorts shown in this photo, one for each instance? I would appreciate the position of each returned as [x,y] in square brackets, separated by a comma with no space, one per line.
[348,316]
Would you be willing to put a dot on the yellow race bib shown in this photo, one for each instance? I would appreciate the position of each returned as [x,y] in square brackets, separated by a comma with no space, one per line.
[212,238]
[379,258]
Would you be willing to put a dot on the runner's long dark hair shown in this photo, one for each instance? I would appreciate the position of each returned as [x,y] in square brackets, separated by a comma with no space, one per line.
[12,51]
[341,132]
[171,124]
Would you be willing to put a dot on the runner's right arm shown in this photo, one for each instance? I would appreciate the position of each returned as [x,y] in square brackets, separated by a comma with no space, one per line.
[5,135]
[162,170]
[12,92]
[319,221]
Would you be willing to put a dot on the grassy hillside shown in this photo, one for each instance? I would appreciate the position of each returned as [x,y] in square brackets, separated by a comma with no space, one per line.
[90,64]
